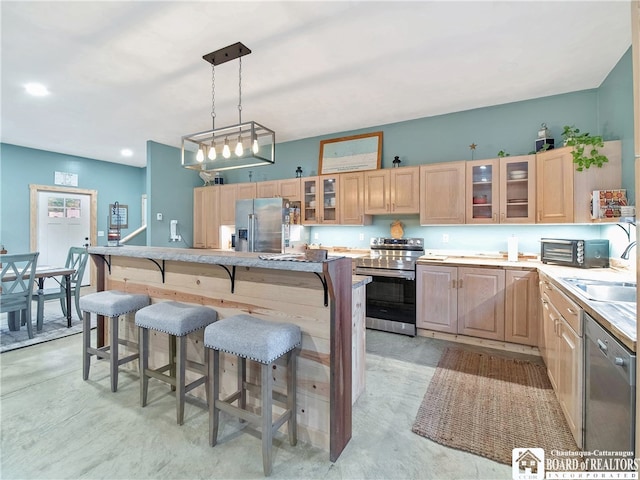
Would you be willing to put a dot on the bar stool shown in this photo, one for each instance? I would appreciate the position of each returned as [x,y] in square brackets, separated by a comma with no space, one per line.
[265,342]
[111,304]
[176,320]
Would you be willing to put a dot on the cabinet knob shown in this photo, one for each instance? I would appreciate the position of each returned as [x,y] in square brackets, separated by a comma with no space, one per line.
[460,283]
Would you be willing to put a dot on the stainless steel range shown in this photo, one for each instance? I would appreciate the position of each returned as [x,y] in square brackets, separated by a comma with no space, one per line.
[391,296]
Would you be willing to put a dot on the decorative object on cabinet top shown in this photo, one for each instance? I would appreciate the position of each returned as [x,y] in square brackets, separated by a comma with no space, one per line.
[350,154]
[254,144]
[584,148]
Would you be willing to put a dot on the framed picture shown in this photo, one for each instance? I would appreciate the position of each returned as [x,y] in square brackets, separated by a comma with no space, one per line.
[350,154]
[118,216]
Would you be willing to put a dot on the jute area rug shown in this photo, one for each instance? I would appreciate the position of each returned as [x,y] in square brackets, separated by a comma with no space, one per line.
[489,405]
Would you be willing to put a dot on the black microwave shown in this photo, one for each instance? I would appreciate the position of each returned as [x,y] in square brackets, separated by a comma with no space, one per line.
[575,253]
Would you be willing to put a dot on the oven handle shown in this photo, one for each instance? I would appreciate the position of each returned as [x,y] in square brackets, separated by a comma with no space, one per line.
[379,272]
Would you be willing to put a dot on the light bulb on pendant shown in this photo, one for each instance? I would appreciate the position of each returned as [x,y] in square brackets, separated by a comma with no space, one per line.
[255,147]
[200,155]
[239,148]
[212,152]
[226,151]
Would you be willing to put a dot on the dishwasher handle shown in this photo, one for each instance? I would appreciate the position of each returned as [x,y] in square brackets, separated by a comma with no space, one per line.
[602,346]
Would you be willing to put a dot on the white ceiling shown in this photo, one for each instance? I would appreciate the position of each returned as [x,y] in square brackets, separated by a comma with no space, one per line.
[122,73]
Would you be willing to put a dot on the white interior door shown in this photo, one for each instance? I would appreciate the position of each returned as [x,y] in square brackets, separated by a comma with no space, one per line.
[63,222]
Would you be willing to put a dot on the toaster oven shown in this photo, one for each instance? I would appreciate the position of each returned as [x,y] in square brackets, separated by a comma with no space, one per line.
[575,253]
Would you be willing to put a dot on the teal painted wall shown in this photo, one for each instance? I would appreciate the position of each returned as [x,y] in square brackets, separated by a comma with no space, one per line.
[170,192]
[615,112]
[21,167]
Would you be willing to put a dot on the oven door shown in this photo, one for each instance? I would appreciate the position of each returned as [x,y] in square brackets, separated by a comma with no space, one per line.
[391,300]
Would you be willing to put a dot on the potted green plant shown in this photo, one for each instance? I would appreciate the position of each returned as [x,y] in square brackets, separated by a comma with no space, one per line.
[584,148]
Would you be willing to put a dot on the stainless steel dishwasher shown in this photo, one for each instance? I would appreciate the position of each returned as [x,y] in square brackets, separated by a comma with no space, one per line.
[610,379]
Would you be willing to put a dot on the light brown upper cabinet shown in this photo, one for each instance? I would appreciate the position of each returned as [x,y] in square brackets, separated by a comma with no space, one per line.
[228,195]
[351,199]
[501,190]
[392,190]
[246,190]
[320,205]
[288,188]
[442,193]
[563,195]
[206,217]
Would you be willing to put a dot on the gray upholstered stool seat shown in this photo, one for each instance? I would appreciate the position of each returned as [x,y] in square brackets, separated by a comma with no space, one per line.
[111,304]
[265,342]
[176,320]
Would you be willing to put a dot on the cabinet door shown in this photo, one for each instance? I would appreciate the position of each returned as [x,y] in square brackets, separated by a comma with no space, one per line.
[245,191]
[376,192]
[199,233]
[481,302]
[518,189]
[405,190]
[352,199]
[521,307]
[554,186]
[290,189]
[570,368]
[550,321]
[482,194]
[267,189]
[228,204]
[437,302]
[212,216]
[329,196]
[442,193]
[310,204]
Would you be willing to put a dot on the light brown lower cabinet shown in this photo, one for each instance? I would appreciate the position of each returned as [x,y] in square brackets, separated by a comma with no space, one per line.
[206,217]
[479,302]
[563,353]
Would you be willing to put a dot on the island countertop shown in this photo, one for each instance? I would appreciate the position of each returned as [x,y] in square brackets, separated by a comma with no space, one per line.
[291,262]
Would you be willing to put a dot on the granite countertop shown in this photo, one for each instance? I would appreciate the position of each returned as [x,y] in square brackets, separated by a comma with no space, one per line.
[360,280]
[213,257]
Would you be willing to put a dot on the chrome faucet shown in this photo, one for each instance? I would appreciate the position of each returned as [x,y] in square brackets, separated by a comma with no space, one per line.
[625,254]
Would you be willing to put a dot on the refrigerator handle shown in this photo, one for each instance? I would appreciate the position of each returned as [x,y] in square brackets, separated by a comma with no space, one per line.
[252,233]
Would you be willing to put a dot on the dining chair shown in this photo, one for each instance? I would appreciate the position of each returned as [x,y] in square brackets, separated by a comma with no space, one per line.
[16,287]
[76,259]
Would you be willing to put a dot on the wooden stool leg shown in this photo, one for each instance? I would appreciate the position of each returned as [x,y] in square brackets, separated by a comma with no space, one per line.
[267,423]
[86,343]
[180,374]
[214,381]
[113,352]
[292,426]
[143,348]
[172,359]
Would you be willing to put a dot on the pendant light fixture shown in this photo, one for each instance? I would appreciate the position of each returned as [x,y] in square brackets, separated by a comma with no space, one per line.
[199,149]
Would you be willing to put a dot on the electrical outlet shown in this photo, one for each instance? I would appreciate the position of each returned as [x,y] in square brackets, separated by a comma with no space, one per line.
[445,238]
[101,233]
[361,236]
[315,236]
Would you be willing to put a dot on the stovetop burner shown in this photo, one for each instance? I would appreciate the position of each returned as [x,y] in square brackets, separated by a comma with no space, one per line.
[392,253]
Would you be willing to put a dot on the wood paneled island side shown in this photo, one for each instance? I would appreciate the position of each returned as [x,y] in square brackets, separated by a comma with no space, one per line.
[314,295]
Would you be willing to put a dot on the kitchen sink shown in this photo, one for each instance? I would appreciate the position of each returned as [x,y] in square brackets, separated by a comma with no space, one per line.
[604,290]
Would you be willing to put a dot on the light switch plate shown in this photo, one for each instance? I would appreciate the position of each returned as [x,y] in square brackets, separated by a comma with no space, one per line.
[159,217]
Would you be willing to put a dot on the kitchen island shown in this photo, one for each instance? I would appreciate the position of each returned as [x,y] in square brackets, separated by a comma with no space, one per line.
[317,296]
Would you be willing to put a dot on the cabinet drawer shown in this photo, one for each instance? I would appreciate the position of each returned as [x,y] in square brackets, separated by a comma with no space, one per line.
[569,310]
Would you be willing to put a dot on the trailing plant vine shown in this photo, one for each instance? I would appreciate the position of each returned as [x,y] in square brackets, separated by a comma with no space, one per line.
[584,148]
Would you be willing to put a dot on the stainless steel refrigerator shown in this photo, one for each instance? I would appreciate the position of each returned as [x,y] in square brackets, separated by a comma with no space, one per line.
[262,225]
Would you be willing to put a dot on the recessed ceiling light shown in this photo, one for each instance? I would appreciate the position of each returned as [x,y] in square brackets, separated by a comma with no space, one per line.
[36,89]
[126,152]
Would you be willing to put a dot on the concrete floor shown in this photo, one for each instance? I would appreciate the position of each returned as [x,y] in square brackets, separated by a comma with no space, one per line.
[55,425]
